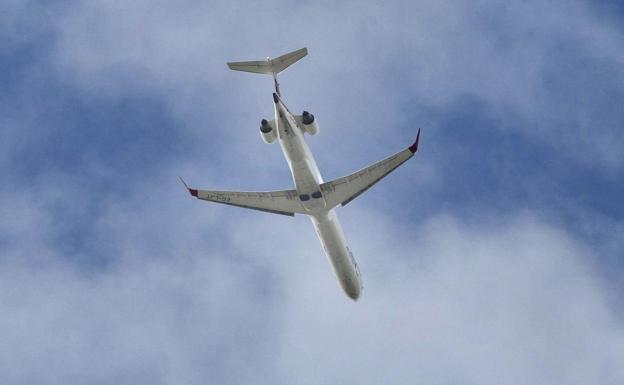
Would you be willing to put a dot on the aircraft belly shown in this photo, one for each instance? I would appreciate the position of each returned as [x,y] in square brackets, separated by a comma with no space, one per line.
[335,246]
[292,151]
[302,166]
[303,177]
[311,195]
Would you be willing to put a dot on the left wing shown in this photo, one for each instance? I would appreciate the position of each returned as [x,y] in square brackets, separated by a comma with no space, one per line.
[285,202]
[344,190]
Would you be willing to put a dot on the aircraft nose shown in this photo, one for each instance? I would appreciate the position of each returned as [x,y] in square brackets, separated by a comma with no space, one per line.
[353,292]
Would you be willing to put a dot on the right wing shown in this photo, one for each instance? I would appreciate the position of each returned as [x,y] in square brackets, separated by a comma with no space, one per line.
[344,190]
[285,202]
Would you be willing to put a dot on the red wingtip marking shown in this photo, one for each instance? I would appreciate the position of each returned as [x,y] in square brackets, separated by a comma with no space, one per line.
[192,191]
[414,147]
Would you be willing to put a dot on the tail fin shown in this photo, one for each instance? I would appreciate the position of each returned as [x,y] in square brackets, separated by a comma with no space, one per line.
[269,66]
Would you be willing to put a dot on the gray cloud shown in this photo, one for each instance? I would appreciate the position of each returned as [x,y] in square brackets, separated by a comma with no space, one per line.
[188,293]
[509,302]
[518,58]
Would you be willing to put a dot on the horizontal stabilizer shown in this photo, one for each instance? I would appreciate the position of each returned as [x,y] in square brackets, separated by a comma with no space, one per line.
[269,66]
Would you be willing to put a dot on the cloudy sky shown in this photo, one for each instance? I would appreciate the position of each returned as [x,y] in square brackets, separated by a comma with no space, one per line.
[495,256]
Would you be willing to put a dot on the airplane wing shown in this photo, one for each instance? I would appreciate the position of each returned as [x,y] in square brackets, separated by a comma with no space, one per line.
[285,202]
[344,190]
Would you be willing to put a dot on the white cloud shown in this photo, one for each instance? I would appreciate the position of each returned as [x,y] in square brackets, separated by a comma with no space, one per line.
[195,294]
[512,301]
[363,57]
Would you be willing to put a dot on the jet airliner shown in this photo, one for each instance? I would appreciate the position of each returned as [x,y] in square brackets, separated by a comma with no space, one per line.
[311,195]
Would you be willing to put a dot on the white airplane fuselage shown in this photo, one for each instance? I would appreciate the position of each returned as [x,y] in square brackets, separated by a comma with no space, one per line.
[311,196]
[307,179]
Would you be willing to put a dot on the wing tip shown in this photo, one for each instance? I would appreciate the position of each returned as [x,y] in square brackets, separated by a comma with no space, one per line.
[191,191]
[414,147]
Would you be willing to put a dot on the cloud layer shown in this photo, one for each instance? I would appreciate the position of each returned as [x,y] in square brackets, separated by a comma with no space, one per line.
[492,257]
[511,303]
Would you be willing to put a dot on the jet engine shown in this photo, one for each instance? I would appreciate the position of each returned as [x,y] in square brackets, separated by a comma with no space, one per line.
[267,131]
[309,123]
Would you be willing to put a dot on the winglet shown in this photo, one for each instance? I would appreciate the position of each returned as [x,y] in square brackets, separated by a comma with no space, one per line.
[191,191]
[414,147]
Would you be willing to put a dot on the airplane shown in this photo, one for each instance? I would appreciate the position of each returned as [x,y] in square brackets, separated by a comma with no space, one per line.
[311,196]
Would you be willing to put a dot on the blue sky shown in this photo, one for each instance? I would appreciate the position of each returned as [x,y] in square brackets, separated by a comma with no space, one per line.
[494,256]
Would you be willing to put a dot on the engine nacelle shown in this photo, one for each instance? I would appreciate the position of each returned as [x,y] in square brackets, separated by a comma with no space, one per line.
[267,131]
[309,123]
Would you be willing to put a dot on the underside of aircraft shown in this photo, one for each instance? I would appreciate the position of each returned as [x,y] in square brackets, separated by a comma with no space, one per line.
[311,196]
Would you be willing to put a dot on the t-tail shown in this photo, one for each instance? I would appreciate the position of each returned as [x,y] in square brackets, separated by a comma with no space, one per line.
[270,66]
